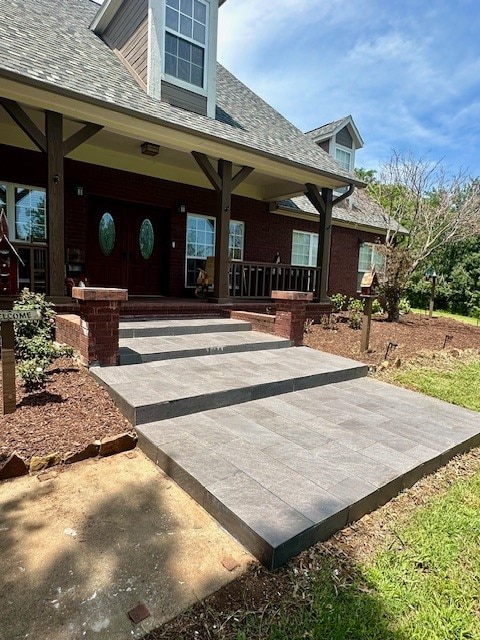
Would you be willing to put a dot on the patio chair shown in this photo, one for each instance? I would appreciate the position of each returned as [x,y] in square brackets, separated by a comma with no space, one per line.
[205,278]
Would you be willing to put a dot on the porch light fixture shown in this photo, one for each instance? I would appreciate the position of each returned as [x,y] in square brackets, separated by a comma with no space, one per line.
[181,207]
[150,149]
[79,190]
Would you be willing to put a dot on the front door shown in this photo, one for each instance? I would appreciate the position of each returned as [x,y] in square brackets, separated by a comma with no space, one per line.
[128,247]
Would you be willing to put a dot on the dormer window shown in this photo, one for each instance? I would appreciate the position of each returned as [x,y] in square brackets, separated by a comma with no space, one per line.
[344,158]
[185,41]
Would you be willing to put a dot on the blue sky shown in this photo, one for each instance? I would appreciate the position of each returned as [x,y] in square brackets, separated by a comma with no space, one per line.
[408,71]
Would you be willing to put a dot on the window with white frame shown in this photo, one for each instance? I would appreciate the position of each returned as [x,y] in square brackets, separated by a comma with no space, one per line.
[304,249]
[27,228]
[26,212]
[369,256]
[343,157]
[236,240]
[201,244]
[186,40]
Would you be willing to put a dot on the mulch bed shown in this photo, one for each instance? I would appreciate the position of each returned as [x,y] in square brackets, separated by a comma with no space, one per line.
[68,415]
[413,334]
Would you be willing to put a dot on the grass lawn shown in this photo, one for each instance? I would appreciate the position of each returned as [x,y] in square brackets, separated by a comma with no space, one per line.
[445,314]
[423,584]
[422,579]
[459,385]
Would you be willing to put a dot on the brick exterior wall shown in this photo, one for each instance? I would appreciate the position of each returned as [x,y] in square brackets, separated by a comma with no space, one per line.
[71,330]
[265,233]
[344,259]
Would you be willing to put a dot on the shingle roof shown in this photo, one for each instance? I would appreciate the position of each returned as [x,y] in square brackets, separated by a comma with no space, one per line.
[359,209]
[326,130]
[49,42]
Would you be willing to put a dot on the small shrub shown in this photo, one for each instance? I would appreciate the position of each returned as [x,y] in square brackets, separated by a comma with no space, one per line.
[33,374]
[355,312]
[34,346]
[308,324]
[338,301]
[329,321]
[404,306]
[377,307]
[43,327]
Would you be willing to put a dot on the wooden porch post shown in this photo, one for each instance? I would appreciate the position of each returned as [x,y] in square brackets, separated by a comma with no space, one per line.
[55,148]
[324,204]
[220,285]
[224,184]
[55,202]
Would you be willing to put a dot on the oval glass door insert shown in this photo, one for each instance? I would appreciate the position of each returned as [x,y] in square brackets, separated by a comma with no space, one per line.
[146,239]
[106,234]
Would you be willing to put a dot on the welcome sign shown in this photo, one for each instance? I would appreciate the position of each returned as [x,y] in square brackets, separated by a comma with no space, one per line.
[9,315]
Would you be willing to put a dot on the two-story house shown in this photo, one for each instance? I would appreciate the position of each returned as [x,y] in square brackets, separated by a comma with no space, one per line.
[128,155]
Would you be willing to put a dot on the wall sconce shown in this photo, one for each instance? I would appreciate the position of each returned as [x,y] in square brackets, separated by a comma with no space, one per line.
[150,149]
[181,207]
[79,190]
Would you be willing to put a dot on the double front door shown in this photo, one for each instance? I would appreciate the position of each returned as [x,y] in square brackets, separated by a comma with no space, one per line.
[128,247]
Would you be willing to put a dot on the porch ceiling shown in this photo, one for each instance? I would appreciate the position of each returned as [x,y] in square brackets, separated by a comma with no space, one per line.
[118,146]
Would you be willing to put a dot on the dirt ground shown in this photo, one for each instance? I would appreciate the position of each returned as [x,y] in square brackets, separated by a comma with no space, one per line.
[413,334]
[82,545]
[72,412]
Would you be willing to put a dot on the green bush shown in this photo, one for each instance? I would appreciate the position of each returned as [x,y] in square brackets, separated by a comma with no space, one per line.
[377,307]
[34,346]
[33,374]
[355,312]
[404,306]
[338,301]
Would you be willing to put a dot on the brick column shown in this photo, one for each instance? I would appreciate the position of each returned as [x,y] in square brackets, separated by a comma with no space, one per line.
[100,316]
[291,313]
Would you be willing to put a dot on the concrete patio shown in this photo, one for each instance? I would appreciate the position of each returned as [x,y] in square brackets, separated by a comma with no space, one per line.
[284,446]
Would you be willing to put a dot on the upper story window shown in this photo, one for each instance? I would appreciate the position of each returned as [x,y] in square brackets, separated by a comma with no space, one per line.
[185,40]
[344,158]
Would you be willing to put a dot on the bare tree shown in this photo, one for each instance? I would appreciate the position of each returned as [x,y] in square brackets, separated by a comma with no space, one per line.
[424,208]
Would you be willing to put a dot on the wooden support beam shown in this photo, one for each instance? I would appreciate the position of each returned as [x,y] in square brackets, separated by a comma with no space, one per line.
[17,114]
[224,184]
[207,168]
[55,202]
[80,137]
[241,176]
[324,204]
[220,285]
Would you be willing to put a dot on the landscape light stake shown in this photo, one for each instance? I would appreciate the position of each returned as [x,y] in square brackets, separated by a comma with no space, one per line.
[448,338]
[390,347]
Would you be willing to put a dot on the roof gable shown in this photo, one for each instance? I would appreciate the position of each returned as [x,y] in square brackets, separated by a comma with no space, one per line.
[330,130]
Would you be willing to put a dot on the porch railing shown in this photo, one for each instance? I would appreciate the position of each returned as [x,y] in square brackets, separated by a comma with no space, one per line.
[259,279]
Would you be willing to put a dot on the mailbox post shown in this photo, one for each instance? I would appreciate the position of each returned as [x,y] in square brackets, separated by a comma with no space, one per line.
[369,291]
[9,262]
[431,275]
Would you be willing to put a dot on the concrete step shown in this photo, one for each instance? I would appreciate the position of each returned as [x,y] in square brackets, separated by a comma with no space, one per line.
[168,388]
[283,473]
[144,328]
[139,350]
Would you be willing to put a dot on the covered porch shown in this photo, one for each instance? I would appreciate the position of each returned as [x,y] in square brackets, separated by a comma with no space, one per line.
[87,157]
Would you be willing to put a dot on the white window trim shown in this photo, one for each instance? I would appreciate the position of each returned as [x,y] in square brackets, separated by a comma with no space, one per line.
[313,242]
[11,210]
[242,224]
[203,91]
[380,274]
[351,152]
[199,215]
